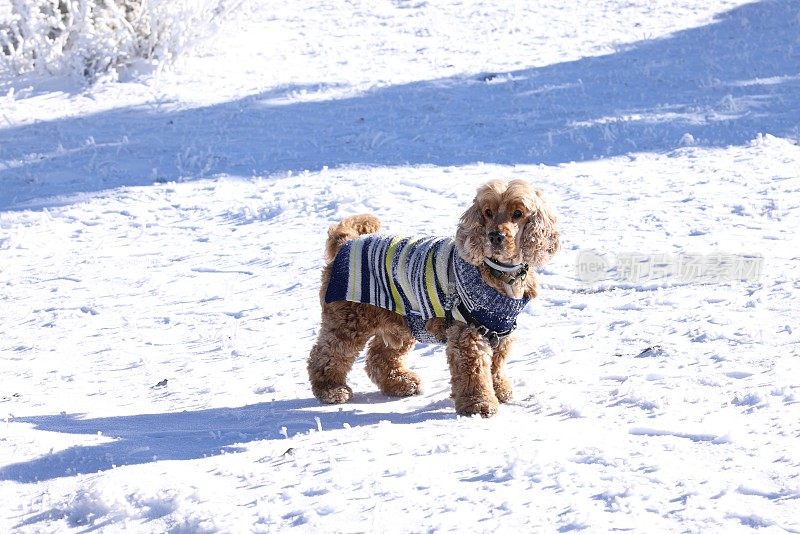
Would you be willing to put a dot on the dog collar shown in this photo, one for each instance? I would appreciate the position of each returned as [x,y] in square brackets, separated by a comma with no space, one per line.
[506,272]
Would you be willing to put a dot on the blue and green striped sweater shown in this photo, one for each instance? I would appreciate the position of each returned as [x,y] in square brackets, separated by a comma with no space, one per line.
[420,279]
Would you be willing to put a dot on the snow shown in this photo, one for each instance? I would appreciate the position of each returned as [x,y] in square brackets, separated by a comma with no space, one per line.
[161,242]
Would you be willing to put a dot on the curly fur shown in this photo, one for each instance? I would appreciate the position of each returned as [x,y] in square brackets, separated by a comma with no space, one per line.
[528,234]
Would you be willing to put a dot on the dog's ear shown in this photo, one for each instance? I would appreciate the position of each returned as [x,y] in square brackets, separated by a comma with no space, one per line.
[540,237]
[470,234]
[472,218]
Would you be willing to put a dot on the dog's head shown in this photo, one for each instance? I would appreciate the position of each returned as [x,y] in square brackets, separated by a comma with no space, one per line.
[508,222]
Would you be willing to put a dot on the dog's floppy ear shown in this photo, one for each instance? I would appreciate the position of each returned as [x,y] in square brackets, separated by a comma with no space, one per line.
[472,218]
[469,235]
[540,237]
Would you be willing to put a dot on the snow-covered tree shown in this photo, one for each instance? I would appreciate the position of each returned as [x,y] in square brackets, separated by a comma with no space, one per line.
[95,38]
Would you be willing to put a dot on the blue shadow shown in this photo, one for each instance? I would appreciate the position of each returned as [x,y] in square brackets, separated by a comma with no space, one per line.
[146,438]
[722,83]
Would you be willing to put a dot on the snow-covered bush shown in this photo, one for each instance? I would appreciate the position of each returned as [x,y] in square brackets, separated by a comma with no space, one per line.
[95,38]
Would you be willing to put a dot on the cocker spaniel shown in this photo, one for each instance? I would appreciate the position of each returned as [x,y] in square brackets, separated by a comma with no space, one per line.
[388,292]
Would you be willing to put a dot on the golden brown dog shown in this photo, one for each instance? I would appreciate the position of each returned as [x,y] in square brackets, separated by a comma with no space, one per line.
[506,230]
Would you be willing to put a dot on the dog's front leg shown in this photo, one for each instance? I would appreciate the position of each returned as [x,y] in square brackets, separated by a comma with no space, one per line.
[470,358]
[502,386]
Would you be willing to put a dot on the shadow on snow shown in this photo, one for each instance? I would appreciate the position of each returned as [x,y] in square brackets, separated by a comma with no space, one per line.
[722,83]
[146,438]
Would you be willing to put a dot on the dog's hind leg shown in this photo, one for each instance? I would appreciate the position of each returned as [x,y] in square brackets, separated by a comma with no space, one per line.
[340,339]
[385,364]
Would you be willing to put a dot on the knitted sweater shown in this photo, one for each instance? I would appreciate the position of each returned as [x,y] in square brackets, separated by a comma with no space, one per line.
[419,278]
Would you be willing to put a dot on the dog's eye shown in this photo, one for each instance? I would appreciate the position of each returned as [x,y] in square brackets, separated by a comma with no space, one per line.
[488,213]
[516,215]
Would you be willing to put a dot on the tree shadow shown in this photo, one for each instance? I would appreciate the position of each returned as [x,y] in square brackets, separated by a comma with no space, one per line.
[723,84]
[145,438]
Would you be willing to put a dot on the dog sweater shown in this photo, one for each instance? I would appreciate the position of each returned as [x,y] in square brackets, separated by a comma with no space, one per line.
[420,279]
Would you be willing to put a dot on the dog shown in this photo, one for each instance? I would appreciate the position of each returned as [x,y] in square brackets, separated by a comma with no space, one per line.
[388,292]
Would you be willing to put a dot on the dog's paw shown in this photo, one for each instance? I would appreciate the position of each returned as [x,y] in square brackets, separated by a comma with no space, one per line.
[503,389]
[333,394]
[401,384]
[482,407]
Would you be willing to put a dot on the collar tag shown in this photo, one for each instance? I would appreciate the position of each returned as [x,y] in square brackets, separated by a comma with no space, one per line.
[505,272]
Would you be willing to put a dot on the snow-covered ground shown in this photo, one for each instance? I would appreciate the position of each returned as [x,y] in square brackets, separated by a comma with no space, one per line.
[161,241]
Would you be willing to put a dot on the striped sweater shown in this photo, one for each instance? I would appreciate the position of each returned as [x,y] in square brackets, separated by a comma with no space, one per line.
[419,278]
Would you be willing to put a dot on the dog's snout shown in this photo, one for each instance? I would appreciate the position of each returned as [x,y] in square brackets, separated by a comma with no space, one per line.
[496,238]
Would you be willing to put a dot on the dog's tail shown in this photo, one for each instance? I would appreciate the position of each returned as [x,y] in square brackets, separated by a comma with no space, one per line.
[347,230]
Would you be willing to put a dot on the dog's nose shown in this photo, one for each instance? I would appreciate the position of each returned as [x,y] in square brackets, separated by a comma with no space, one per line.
[496,238]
